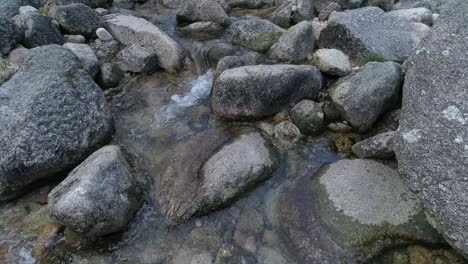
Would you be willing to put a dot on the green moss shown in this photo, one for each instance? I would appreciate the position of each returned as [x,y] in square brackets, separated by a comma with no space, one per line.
[371,58]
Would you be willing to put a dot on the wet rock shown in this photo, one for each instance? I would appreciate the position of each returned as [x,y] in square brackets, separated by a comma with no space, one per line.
[330,8]
[103,34]
[10,35]
[138,59]
[230,62]
[202,10]
[76,19]
[432,148]
[99,196]
[350,211]
[368,31]
[79,39]
[421,15]
[295,44]
[287,132]
[133,30]
[240,93]
[85,54]
[308,116]
[52,122]
[380,146]
[332,62]
[203,30]
[219,170]
[6,70]
[363,96]
[39,30]
[385,5]
[110,75]
[255,34]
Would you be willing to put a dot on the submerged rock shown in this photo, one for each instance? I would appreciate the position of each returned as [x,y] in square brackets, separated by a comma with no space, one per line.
[255,34]
[295,44]
[432,150]
[99,196]
[350,211]
[10,35]
[53,116]
[39,30]
[241,93]
[133,30]
[209,170]
[363,96]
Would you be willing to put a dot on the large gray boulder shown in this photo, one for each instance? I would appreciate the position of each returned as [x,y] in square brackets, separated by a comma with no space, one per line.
[76,19]
[349,211]
[253,92]
[202,10]
[368,31]
[52,114]
[209,170]
[432,151]
[133,30]
[99,196]
[10,35]
[39,30]
[255,34]
[363,96]
[295,44]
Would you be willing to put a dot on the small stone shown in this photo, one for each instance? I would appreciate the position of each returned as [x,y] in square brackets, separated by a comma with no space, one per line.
[17,55]
[6,70]
[110,75]
[78,39]
[104,35]
[340,127]
[101,11]
[332,62]
[308,116]
[287,131]
[138,59]
[378,147]
[25,9]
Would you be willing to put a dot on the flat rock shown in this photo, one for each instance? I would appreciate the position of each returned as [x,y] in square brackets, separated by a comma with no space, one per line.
[54,115]
[99,196]
[295,44]
[432,149]
[133,30]
[255,34]
[240,93]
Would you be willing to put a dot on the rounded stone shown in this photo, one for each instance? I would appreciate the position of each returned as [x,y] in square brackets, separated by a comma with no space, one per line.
[308,116]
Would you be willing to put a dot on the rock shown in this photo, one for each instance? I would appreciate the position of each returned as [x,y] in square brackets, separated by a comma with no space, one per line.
[282,16]
[330,8]
[421,15]
[433,5]
[349,211]
[39,30]
[345,4]
[368,31]
[219,50]
[76,19]
[203,10]
[230,62]
[105,50]
[17,55]
[138,59]
[126,4]
[104,35]
[249,4]
[377,147]
[78,39]
[240,93]
[286,132]
[308,116]
[295,44]
[6,70]
[203,30]
[303,10]
[318,27]
[54,116]
[332,62]
[255,34]
[268,255]
[10,8]
[363,96]
[101,11]
[26,9]
[10,35]
[99,196]
[228,254]
[132,30]
[432,148]
[85,54]
[110,75]
[216,170]
[90,3]
[385,5]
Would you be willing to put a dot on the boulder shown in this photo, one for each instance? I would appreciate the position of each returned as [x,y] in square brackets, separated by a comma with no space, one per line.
[54,115]
[332,62]
[39,30]
[421,15]
[10,35]
[295,44]
[110,75]
[138,59]
[432,144]
[241,93]
[349,211]
[76,19]
[308,116]
[380,146]
[363,96]
[209,170]
[133,30]
[255,34]
[203,10]
[99,196]
[385,5]
[368,31]
[230,62]
[85,54]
